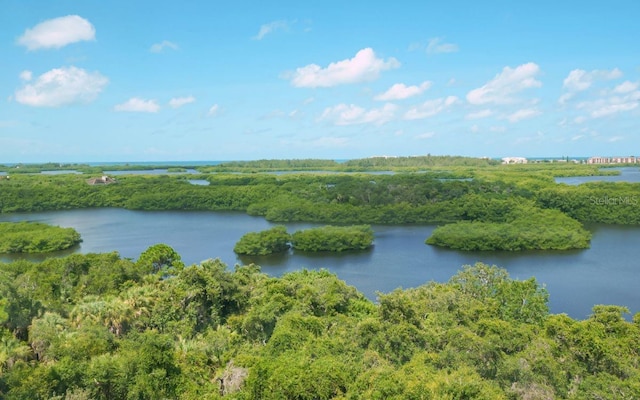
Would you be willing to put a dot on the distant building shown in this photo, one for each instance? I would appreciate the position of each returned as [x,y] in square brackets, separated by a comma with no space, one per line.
[514,160]
[614,160]
[103,180]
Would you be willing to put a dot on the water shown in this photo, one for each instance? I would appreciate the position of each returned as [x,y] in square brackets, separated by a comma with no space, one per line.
[158,171]
[627,174]
[604,274]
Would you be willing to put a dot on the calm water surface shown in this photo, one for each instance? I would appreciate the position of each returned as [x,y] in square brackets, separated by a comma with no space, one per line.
[627,174]
[607,273]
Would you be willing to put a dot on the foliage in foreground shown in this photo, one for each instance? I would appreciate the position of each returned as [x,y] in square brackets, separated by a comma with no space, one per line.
[101,327]
[35,237]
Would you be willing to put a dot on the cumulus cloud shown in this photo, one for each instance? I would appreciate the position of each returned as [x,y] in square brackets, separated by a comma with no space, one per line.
[524,113]
[160,47]
[270,28]
[61,86]
[57,32]
[350,114]
[213,110]
[626,87]
[178,102]
[136,104]
[502,88]
[624,97]
[401,91]
[479,114]
[426,135]
[26,75]
[437,45]
[430,108]
[364,66]
[580,80]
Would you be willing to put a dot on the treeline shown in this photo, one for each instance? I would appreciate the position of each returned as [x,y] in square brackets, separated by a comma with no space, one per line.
[99,326]
[35,237]
[430,197]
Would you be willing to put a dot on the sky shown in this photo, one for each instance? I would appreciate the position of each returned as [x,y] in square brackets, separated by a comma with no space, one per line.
[162,80]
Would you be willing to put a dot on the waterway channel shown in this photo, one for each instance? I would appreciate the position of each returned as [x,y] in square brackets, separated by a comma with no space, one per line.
[607,273]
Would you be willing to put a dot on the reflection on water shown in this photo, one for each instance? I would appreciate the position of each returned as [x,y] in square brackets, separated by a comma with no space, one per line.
[606,273]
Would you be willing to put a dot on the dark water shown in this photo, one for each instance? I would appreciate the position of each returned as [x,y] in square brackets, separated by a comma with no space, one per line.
[607,273]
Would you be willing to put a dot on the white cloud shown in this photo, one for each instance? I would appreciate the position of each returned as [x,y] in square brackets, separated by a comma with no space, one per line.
[57,32]
[61,86]
[26,75]
[437,45]
[400,91]
[426,135]
[213,110]
[611,105]
[344,114]
[580,80]
[364,66]
[614,108]
[479,114]
[165,44]
[615,139]
[178,102]
[270,28]
[136,104]
[502,88]
[626,87]
[524,113]
[430,108]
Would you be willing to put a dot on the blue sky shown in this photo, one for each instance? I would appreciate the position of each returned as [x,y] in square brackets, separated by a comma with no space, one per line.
[91,81]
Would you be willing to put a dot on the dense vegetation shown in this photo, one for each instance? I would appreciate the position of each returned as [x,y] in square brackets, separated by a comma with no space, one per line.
[438,190]
[333,238]
[524,228]
[35,237]
[270,241]
[98,326]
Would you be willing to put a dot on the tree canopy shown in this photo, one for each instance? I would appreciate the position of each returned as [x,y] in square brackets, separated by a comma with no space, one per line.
[98,326]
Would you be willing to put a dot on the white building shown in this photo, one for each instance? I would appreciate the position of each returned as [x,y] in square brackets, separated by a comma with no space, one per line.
[514,160]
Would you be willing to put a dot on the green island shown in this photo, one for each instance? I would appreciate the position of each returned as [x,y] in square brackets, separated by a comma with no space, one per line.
[525,228]
[327,238]
[333,238]
[35,237]
[270,241]
[98,326]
